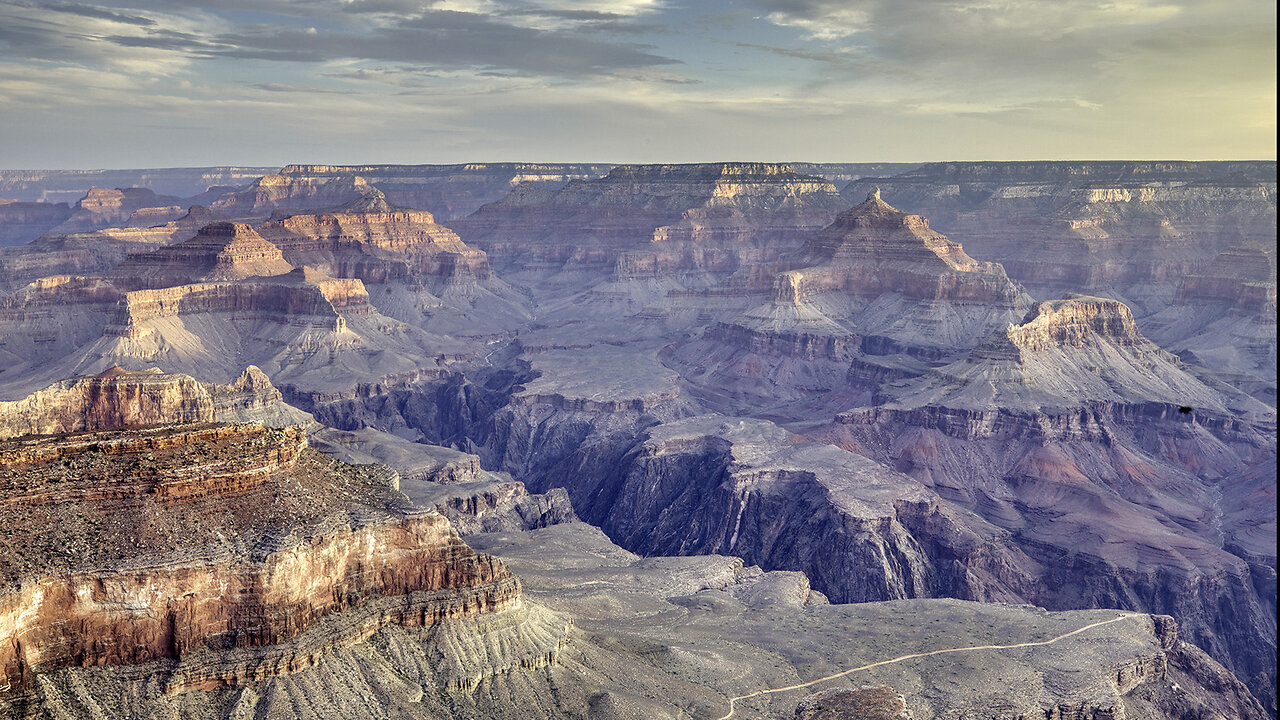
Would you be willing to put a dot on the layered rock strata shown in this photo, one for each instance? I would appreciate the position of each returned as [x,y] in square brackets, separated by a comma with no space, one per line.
[665,219]
[22,222]
[876,283]
[113,399]
[1123,229]
[452,191]
[275,192]
[375,242]
[102,207]
[1223,319]
[68,185]
[1073,415]
[98,567]
[96,251]
[220,251]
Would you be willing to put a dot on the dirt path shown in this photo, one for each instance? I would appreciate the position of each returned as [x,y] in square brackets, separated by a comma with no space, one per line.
[733,701]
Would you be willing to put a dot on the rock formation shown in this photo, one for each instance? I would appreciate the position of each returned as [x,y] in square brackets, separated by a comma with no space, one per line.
[1223,319]
[51,186]
[22,222]
[664,219]
[451,191]
[93,252]
[219,251]
[270,193]
[1071,416]
[877,286]
[719,365]
[139,207]
[300,555]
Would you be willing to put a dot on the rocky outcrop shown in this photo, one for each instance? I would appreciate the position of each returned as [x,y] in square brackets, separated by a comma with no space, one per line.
[288,553]
[220,251]
[1071,416]
[1122,229]
[1069,353]
[101,207]
[680,218]
[375,242]
[876,282]
[96,251]
[278,192]
[452,191]
[871,702]
[113,399]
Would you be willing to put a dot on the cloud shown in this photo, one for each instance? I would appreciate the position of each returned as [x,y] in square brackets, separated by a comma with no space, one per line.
[639,79]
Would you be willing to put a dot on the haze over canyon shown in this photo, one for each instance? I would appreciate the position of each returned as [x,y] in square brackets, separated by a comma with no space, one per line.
[813,441]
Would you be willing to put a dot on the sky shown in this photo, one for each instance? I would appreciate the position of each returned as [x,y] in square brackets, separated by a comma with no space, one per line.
[167,83]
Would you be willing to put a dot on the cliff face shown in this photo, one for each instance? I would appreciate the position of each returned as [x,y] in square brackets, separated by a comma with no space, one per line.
[452,191]
[1072,414]
[101,207]
[294,546]
[1223,319]
[219,251]
[22,222]
[270,193]
[1064,354]
[664,212]
[114,399]
[95,251]
[376,243]
[1123,229]
[877,282]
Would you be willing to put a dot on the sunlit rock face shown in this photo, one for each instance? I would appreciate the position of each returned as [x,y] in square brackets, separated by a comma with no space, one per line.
[276,192]
[219,251]
[375,242]
[234,551]
[136,207]
[717,366]
[85,253]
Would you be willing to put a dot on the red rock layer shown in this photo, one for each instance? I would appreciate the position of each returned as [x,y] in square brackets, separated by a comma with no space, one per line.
[288,538]
[220,251]
[377,246]
[114,399]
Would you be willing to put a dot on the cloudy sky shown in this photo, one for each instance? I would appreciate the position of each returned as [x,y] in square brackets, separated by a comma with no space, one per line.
[148,83]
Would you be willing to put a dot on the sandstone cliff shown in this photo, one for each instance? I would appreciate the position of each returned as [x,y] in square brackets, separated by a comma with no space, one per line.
[101,207]
[95,251]
[299,555]
[273,192]
[219,251]
[679,218]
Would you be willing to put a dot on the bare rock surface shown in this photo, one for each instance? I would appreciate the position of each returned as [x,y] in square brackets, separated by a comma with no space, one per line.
[288,535]
[685,619]
[453,191]
[95,251]
[103,207]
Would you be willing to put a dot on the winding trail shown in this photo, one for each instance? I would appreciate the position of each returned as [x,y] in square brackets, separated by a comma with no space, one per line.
[733,701]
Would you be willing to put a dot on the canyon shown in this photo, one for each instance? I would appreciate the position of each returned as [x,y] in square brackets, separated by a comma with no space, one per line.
[576,440]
